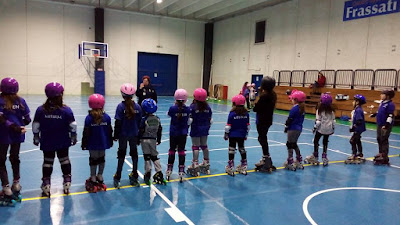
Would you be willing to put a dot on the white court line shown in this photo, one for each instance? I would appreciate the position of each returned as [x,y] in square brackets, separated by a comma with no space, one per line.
[307,200]
[173,211]
[340,152]
[218,203]
[35,149]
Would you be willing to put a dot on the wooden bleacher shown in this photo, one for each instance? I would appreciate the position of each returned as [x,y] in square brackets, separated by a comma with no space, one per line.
[341,107]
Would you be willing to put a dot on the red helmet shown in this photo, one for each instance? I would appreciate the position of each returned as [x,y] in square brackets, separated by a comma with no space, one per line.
[96,101]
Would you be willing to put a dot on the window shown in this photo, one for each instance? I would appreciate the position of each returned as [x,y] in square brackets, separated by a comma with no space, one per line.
[260,32]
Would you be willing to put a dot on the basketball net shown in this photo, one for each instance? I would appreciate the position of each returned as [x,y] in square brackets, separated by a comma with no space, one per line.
[96,57]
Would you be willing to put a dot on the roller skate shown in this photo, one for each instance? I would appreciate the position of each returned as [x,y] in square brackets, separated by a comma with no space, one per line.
[205,167]
[312,159]
[381,159]
[46,187]
[147,177]
[67,183]
[133,179]
[194,169]
[90,185]
[6,198]
[353,159]
[181,172]
[265,165]
[16,189]
[117,182]
[230,168]
[325,160]
[158,178]
[299,162]
[100,183]
[242,168]
[360,157]
[289,164]
[169,171]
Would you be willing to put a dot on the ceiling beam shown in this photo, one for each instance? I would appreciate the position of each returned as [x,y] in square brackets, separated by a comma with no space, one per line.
[129,3]
[164,4]
[199,6]
[181,5]
[110,2]
[216,7]
[146,3]
[234,8]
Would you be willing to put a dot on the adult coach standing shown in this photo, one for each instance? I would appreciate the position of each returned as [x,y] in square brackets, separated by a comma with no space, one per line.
[146,90]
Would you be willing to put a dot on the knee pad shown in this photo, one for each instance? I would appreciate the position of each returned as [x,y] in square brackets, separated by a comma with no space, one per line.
[232,150]
[64,160]
[14,159]
[204,147]
[352,141]
[195,148]
[147,157]
[101,160]
[48,162]
[291,145]
[154,158]
[295,146]
[181,152]
[121,154]
[242,150]
[171,152]
[93,161]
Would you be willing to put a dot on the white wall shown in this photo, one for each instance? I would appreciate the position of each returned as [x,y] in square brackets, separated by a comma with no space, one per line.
[303,35]
[39,43]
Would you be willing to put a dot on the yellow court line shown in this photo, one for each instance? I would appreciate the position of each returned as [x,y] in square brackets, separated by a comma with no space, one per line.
[175,180]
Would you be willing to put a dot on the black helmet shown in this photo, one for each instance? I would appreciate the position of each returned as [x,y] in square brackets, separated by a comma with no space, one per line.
[268,83]
[389,92]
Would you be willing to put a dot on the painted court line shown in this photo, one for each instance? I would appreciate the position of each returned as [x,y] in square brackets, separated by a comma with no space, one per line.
[176,180]
[308,199]
[173,211]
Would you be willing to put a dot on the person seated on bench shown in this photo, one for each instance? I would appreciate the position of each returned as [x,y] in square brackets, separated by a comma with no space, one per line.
[318,83]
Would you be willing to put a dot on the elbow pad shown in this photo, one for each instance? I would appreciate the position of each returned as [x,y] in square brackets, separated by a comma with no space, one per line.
[389,119]
[35,127]
[227,128]
[72,127]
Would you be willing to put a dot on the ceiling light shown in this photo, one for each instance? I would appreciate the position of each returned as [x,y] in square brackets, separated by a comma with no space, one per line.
[159,1]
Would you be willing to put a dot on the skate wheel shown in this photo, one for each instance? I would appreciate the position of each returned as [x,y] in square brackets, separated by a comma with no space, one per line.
[181,180]
[208,172]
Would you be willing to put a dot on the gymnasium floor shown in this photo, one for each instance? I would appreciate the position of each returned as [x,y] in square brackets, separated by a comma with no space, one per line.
[315,195]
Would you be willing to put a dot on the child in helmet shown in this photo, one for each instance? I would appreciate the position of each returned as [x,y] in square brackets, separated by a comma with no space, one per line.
[150,136]
[264,109]
[126,130]
[293,128]
[97,137]
[178,131]
[357,128]
[246,94]
[54,128]
[252,94]
[384,120]
[324,126]
[236,130]
[14,116]
[200,121]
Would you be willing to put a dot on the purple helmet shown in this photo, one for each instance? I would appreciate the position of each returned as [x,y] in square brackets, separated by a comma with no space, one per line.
[9,85]
[54,89]
[326,99]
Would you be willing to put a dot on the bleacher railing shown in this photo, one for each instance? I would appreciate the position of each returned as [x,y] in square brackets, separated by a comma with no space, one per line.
[362,79]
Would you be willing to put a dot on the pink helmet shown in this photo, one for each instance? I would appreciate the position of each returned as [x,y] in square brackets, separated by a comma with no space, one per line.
[238,100]
[298,95]
[127,90]
[181,95]
[253,84]
[200,95]
[96,101]
[326,99]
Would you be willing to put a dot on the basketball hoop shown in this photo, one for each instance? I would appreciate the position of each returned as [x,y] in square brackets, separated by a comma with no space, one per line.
[96,57]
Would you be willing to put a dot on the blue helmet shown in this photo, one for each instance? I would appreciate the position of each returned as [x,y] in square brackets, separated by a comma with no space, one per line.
[149,105]
[360,99]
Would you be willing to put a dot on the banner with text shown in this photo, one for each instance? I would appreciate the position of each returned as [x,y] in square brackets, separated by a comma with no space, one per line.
[357,9]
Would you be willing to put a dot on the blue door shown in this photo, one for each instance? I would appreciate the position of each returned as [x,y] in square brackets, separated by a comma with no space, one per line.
[162,70]
[256,78]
